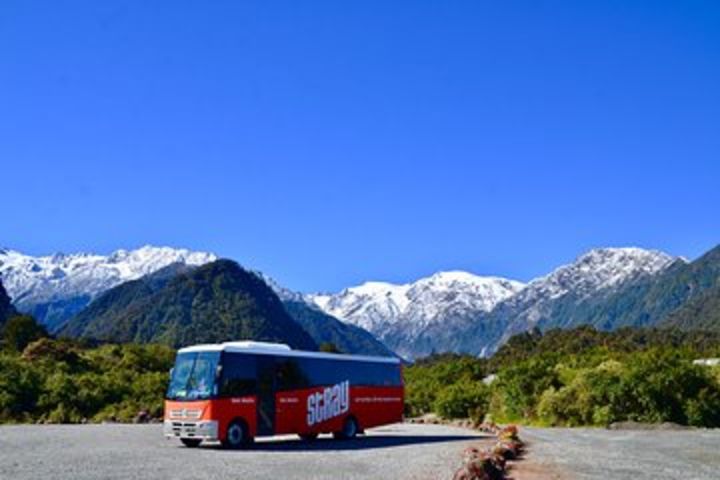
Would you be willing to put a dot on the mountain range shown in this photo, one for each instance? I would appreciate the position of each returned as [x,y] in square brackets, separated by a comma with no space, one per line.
[54,288]
[219,301]
[573,293]
[607,288]
[323,327]
[180,306]
[419,318]
[448,311]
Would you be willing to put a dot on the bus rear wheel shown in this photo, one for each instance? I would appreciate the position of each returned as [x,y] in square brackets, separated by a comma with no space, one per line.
[236,435]
[308,437]
[349,430]
[190,442]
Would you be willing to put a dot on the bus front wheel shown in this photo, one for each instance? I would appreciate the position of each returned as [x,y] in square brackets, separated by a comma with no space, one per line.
[236,435]
[349,430]
[190,442]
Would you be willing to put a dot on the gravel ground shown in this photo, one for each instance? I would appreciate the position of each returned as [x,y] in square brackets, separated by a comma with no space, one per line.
[638,455]
[404,451]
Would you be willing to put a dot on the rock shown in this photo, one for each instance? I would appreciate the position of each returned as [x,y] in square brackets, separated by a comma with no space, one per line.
[142,417]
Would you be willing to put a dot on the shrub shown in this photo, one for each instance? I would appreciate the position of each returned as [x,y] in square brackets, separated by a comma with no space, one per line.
[462,400]
[47,349]
[577,377]
[20,386]
[519,387]
[704,410]
[61,382]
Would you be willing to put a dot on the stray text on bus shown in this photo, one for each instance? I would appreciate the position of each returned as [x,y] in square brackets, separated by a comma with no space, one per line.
[331,402]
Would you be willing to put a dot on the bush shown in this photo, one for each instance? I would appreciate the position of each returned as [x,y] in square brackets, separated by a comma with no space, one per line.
[576,377]
[462,400]
[59,381]
[658,385]
[47,349]
[588,397]
[425,380]
[519,388]
[420,396]
[704,411]
[20,386]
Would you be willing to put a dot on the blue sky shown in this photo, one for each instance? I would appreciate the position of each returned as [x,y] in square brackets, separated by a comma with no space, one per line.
[327,143]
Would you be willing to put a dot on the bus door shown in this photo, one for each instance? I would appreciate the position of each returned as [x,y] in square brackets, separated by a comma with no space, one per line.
[266,395]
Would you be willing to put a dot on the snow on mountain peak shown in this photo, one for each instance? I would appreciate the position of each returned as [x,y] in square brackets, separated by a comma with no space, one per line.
[33,280]
[433,312]
[503,287]
[413,318]
[373,305]
[600,269]
[597,272]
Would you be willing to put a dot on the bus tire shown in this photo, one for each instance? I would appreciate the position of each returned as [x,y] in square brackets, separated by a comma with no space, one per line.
[308,437]
[190,442]
[236,435]
[349,430]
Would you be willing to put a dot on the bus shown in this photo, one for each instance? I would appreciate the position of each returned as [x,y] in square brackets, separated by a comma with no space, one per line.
[235,391]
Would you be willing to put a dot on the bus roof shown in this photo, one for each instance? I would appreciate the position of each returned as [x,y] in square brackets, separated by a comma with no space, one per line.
[281,349]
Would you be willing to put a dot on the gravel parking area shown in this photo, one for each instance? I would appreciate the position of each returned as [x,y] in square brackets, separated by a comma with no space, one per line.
[600,454]
[398,452]
[404,451]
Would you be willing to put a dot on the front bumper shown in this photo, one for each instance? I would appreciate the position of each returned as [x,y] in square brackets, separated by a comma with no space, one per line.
[201,430]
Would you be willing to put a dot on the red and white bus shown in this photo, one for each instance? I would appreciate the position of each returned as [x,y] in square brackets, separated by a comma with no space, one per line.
[235,391]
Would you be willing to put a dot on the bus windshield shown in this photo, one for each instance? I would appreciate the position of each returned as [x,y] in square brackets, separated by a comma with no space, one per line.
[193,377]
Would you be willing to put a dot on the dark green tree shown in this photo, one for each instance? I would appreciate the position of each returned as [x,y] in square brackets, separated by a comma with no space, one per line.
[21,330]
[6,308]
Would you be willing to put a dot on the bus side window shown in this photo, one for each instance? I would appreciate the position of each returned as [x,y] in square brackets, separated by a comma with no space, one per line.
[290,375]
[238,375]
[377,374]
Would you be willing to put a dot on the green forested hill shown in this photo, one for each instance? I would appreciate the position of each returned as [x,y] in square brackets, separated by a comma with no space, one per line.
[657,298]
[217,302]
[700,313]
[6,308]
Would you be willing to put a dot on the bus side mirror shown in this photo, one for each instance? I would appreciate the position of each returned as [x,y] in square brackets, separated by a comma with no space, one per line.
[218,372]
[171,371]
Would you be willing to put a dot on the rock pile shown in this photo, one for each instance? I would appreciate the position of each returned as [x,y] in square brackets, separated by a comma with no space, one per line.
[490,464]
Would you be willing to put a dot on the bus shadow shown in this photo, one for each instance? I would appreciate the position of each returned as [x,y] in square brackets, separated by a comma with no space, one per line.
[363,442]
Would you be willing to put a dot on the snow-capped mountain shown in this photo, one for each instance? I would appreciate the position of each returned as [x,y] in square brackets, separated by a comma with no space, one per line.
[448,311]
[596,270]
[591,276]
[569,296]
[370,305]
[323,327]
[54,287]
[458,311]
[406,317]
